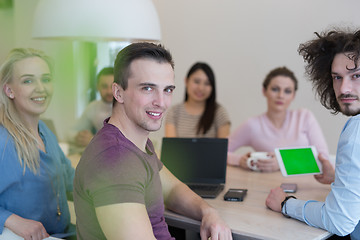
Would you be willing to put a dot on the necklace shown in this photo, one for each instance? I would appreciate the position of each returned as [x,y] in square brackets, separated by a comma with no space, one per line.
[57,195]
[55,191]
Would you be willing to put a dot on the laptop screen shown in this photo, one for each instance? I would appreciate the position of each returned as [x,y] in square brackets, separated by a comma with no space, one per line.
[196,160]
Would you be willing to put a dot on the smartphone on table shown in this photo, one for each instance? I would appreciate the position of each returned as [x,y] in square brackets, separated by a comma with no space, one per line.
[235,194]
[289,187]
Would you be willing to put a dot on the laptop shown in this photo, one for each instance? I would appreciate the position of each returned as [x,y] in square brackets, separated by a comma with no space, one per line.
[198,162]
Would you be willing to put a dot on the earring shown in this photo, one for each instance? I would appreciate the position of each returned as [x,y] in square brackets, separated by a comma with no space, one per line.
[11,96]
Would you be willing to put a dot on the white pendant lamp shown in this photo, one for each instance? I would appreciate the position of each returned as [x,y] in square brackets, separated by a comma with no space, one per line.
[96,20]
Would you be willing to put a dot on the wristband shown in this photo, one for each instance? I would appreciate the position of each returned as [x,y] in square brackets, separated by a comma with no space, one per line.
[283,204]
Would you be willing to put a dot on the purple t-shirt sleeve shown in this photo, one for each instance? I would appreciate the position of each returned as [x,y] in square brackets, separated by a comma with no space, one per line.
[119,180]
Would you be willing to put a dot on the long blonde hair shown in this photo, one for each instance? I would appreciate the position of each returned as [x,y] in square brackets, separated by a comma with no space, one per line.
[25,141]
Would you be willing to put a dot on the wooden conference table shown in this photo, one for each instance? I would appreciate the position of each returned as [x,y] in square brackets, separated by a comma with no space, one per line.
[251,219]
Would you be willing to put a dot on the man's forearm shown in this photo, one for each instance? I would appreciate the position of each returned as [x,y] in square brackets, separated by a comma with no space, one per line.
[184,201]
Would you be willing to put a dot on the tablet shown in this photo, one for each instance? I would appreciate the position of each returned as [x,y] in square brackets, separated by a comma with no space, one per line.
[298,161]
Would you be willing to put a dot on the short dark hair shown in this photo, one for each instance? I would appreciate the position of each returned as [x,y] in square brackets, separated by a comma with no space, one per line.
[280,71]
[208,116]
[103,72]
[319,55]
[141,50]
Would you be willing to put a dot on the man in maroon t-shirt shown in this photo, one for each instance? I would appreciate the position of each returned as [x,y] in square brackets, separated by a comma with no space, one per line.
[120,185]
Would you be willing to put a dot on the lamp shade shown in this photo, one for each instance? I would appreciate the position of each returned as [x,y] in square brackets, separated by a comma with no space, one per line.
[96,20]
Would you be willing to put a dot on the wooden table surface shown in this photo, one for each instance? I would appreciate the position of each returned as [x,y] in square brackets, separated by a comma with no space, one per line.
[251,219]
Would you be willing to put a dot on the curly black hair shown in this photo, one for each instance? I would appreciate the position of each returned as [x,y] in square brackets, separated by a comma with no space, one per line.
[319,55]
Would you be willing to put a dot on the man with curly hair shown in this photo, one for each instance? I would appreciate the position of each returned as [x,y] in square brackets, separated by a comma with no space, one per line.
[333,66]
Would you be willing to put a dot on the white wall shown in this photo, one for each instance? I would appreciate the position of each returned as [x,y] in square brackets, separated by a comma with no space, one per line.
[6,31]
[241,39]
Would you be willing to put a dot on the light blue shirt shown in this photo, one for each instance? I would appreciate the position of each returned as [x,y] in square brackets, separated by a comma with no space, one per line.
[33,196]
[340,213]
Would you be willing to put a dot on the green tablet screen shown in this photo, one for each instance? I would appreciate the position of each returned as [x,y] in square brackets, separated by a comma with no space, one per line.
[299,161]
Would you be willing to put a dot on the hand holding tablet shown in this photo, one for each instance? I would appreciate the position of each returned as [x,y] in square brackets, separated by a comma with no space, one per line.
[298,161]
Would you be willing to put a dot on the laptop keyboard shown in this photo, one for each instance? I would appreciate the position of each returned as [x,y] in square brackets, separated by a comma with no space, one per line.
[206,191]
[203,187]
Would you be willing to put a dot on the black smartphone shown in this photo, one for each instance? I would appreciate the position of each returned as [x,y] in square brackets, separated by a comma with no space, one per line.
[289,187]
[235,194]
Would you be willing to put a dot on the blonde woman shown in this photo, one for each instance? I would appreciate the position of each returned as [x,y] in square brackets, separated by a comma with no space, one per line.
[34,173]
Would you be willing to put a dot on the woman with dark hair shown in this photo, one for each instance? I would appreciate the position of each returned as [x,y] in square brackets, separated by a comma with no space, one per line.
[277,127]
[35,175]
[199,115]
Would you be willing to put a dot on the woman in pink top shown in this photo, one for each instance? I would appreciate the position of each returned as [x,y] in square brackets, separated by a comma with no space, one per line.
[278,126]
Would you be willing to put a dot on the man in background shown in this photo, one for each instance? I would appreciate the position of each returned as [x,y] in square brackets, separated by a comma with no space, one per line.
[333,66]
[95,113]
[120,184]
